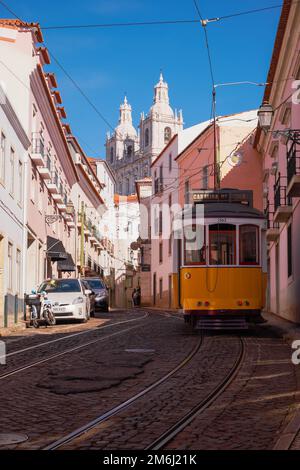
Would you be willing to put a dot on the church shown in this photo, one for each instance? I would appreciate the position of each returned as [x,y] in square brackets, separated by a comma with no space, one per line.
[130,152]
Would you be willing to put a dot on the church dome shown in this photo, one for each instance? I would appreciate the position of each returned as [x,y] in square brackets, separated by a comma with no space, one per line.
[161,99]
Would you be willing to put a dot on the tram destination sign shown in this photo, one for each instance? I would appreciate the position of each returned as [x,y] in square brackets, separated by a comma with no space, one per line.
[229,196]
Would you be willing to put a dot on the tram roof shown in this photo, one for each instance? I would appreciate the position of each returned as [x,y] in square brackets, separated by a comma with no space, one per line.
[223,209]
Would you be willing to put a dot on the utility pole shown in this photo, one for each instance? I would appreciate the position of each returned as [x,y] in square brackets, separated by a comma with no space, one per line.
[82,220]
[216,166]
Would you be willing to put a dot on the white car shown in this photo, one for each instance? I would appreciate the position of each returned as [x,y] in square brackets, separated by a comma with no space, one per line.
[69,297]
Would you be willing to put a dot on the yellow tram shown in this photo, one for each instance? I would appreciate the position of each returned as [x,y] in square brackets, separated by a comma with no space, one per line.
[220,276]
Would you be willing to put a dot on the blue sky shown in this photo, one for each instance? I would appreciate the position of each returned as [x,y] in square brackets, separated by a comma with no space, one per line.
[107,62]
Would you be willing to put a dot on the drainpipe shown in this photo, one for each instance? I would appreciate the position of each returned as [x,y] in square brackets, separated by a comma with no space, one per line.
[82,219]
[25,233]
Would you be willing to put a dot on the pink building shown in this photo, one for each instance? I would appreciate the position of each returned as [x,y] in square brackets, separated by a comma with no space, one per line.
[281,167]
[239,164]
[49,171]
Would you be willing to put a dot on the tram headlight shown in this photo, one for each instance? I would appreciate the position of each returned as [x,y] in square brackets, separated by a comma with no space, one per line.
[187,276]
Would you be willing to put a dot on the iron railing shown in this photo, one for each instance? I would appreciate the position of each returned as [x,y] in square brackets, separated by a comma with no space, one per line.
[37,144]
[280,196]
[293,162]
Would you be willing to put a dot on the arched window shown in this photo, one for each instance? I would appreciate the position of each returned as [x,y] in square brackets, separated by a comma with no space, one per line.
[168,134]
[146,137]
[111,154]
[129,150]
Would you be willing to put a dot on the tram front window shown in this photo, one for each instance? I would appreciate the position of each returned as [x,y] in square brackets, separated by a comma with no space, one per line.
[249,244]
[222,244]
[194,246]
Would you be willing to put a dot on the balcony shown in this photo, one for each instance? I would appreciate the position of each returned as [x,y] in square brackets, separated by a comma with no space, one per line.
[272,233]
[293,171]
[37,149]
[52,183]
[45,171]
[282,203]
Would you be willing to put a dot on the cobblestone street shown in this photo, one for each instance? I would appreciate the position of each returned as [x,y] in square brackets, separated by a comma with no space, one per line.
[59,380]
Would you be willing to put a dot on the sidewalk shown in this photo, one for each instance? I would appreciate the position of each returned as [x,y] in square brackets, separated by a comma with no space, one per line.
[290,438]
[13,329]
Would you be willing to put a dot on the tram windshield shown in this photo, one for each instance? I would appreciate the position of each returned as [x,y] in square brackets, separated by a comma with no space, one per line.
[249,244]
[194,244]
[222,244]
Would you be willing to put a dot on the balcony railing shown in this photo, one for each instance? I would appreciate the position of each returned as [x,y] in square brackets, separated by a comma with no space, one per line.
[37,145]
[282,202]
[293,171]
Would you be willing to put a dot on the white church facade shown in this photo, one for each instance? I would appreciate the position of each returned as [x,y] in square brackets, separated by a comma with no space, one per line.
[130,153]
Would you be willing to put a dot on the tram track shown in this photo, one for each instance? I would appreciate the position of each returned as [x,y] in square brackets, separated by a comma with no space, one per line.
[67,439]
[168,436]
[71,349]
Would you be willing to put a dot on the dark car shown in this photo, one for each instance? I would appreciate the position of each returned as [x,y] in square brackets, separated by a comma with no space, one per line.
[100,296]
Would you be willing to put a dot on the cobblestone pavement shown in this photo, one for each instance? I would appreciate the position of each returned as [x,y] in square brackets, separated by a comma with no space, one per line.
[48,401]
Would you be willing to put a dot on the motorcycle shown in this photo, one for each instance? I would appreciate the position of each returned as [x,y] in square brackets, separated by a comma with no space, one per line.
[40,309]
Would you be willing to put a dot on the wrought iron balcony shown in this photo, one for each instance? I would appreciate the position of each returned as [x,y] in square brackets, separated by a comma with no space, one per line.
[45,171]
[293,171]
[282,202]
[272,226]
[37,149]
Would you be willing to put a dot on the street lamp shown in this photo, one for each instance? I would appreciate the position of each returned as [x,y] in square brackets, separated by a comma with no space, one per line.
[265,116]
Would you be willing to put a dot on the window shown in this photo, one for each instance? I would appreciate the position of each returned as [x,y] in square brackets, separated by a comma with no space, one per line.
[146,137]
[10,266]
[12,171]
[111,154]
[249,244]
[205,177]
[20,183]
[129,151]
[2,157]
[187,192]
[167,134]
[18,263]
[161,252]
[170,244]
[170,162]
[193,254]
[289,250]
[160,288]
[170,200]
[222,244]
[160,223]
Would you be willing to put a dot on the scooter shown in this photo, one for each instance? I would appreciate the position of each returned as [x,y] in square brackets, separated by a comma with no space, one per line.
[40,309]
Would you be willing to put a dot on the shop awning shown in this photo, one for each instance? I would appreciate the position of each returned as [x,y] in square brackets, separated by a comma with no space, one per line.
[55,249]
[66,264]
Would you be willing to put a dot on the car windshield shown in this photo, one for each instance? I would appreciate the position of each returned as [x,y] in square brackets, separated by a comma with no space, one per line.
[60,285]
[95,284]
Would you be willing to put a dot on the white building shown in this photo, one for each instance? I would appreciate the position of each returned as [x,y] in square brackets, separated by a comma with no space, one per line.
[14,144]
[130,153]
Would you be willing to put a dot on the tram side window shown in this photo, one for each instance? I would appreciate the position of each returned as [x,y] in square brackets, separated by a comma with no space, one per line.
[249,244]
[222,244]
[194,245]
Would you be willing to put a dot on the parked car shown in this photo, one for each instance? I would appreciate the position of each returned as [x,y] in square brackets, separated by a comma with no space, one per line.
[70,298]
[101,297]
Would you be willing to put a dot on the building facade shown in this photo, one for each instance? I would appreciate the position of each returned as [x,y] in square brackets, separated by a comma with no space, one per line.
[280,154]
[130,153]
